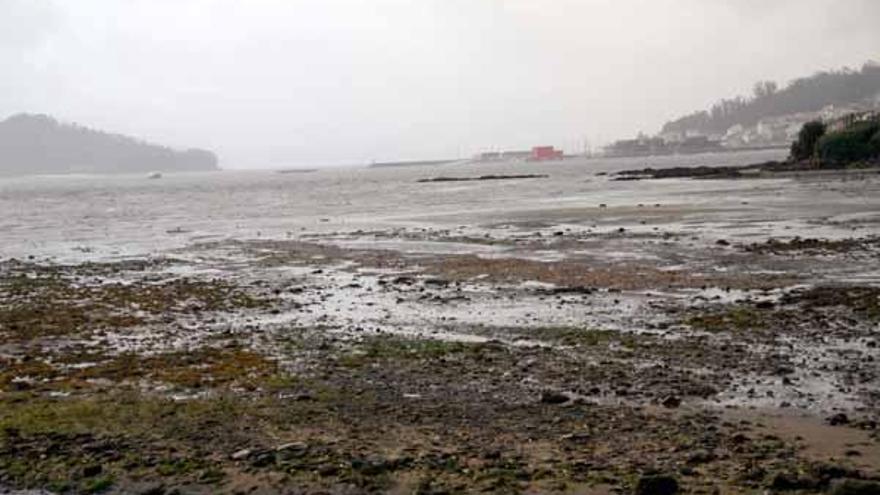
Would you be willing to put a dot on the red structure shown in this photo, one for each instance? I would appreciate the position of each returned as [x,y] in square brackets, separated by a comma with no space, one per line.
[541,153]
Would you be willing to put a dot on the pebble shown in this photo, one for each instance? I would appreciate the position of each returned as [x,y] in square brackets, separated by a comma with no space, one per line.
[854,487]
[657,485]
[837,419]
[552,397]
[241,454]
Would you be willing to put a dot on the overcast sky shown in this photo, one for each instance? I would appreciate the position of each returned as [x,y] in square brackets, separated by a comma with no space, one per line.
[269,83]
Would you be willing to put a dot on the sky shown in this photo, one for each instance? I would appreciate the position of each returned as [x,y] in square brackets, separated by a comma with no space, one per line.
[293,83]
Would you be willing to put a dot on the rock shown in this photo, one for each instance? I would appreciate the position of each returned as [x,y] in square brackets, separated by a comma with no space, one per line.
[146,488]
[784,481]
[739,439]
[525,364]
[854,487]
[263,459]
[866,424]
[575,437]
[701,457]
[372,466]
[670,402]
[722,242]
[328,470]
[241,454]
[783,370]
[557,291]
[491,455]
[657,485]
[92,470]
[20,385]
[552,397]
[292,446]
[827,472]
[838,419]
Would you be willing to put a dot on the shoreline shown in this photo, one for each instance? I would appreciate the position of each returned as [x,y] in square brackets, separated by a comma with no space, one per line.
[770,169]
[597,346]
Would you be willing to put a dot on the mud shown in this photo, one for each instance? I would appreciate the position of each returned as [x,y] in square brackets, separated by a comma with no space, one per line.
[549,352]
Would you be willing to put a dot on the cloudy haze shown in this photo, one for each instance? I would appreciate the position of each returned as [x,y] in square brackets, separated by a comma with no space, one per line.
[295,83]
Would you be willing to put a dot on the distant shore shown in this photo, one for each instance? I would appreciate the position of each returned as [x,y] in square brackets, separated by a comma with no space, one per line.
[718,149]
[766,169]
[411,163]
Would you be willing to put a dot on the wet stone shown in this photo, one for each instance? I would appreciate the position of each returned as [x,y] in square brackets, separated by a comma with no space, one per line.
[701,457]
[553,397]
[92,470]
[785,481]
[838,419]
[854,487]
[671,402]
[656,485]
[263,459]
[240,454]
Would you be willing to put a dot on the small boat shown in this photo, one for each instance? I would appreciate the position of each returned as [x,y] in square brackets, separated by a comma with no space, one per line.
[155,175]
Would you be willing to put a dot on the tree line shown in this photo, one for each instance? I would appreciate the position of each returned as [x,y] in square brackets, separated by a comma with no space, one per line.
[807,94]
[35,144]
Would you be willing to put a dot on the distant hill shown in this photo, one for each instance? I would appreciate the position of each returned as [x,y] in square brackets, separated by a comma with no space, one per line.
[39,144]
[807,94]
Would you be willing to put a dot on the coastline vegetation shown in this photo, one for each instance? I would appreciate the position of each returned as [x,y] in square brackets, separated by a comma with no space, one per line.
[855,143]
[807,94]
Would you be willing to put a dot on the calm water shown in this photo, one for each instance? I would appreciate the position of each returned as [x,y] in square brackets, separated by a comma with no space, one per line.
[71,217]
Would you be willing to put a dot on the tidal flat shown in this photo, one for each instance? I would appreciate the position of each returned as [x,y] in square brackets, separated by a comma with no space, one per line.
[681,336]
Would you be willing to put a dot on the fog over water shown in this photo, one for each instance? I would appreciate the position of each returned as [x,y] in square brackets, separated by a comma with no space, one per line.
[276,83]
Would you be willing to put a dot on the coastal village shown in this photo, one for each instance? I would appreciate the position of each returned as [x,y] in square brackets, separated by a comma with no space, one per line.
[776,132]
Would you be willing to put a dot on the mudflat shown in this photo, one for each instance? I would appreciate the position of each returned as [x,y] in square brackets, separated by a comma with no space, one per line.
[720,338]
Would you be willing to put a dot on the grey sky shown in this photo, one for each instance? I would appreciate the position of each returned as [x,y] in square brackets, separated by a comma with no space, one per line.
[292,82]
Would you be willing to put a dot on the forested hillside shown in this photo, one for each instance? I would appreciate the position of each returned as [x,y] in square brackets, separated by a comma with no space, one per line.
[807,94]
[38,144]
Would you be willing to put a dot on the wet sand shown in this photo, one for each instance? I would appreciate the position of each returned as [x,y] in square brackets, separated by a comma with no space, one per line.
[708,336]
